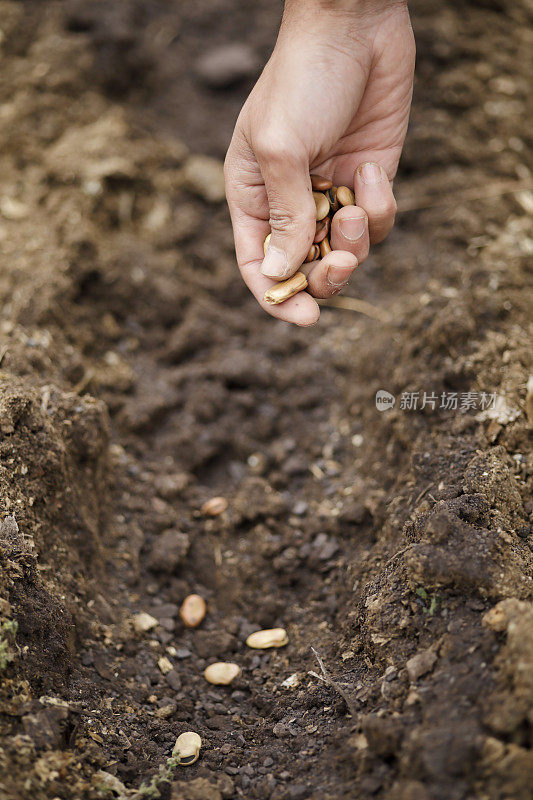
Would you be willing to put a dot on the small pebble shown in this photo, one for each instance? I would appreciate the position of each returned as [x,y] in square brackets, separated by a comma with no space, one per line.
[227,65]
[144,622]
[164,665]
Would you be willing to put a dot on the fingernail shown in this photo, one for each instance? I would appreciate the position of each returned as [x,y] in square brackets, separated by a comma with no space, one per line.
[338,276]
[352,228]
[371,173]
[275,263]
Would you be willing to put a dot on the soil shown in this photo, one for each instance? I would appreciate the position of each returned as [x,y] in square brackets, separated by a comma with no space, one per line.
[139,379]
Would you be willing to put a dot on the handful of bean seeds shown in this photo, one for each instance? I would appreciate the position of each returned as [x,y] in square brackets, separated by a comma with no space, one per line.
[328,199]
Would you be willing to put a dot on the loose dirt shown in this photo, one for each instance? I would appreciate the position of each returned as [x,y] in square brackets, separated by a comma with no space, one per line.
[138,379]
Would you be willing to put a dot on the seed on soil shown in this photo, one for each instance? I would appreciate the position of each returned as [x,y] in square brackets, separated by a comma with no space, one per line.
[187,748]
[193,610]
[322,205]
[143,622]
[273,637]
[320,184]
[345,196]
[285,289]
[266,243]
[222,673]
[325,247]
[313,254]
[214,506]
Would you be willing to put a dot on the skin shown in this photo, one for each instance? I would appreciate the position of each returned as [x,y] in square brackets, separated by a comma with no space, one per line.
[333,98]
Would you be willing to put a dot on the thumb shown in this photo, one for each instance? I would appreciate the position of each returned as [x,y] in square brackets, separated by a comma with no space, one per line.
[292,213]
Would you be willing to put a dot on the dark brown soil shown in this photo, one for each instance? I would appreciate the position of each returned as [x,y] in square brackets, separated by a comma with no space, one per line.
[138,379]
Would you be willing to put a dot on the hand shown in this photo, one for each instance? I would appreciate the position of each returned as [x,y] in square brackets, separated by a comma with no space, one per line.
[334,100]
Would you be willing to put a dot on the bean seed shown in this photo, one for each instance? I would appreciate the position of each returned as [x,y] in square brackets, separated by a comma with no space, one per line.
[321,230]
[193,610]
[313,254]
[274,637]
[325,247]
[322,205]
[345,196]
[285,289]
[187,748]
[331,194]
[214,506]
[222,673]
[266,243]
[320,184]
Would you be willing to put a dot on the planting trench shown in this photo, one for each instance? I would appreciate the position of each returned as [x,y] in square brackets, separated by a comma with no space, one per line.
[138,379]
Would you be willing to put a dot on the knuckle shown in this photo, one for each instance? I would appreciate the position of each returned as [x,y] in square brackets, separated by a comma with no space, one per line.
[283,222]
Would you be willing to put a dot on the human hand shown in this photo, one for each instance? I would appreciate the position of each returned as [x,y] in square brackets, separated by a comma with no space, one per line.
[334,100]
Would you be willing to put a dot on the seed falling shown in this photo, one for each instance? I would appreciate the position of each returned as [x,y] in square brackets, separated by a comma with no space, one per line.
[273,637]
[214,506]
[322,205]
[193,610]
[187,748]
[222,673]
[285,289]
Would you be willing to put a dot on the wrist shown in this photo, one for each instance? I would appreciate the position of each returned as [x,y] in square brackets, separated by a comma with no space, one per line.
[347,19]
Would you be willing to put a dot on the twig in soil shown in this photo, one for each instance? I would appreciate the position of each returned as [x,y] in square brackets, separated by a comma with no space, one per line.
[360,306]
[334,685]
[489,190]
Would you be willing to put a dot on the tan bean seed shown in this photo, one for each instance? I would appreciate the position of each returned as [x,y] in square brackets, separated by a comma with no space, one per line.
[214,506]
[313,254]
[187,748]
[320,184]
[345,196]
[282,291]
[274,637]
[325,247]
[222,673]
[322,205]
[266,243]
[193,610]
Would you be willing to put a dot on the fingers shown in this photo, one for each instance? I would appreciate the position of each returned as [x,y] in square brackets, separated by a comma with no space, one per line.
[330,275]
[292,212]
[373,192]
[349,232]
[249,234]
